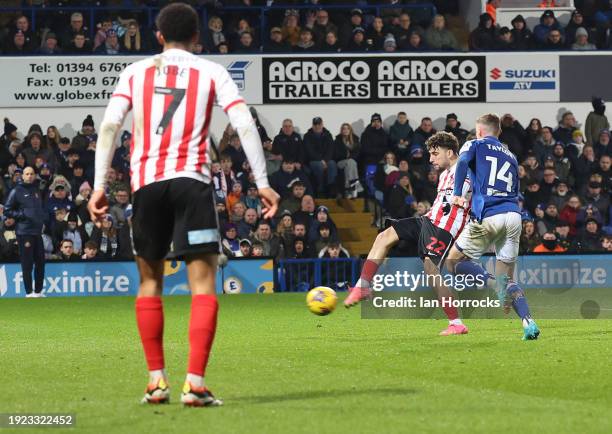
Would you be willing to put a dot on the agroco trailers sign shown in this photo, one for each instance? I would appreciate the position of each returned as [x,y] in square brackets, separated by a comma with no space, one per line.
[309,80]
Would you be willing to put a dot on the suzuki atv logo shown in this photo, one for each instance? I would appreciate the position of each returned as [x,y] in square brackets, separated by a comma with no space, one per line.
[495,73]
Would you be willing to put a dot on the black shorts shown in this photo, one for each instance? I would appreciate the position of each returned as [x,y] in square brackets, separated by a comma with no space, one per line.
[180,211]
[433,242]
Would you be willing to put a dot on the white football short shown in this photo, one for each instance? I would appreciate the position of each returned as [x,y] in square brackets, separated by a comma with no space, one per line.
[503,231]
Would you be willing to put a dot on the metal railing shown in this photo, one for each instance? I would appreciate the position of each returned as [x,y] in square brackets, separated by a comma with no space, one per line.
[300,275]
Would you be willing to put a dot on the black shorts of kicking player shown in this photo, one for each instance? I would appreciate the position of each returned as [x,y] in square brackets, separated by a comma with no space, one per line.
[180,211]
[433,242]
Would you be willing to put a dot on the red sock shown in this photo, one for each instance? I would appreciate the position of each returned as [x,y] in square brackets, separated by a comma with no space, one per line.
[202,326]
[150,319]
[450,311]
[369,270]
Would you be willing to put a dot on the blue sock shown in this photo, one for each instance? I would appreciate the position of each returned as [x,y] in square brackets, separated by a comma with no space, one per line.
[519,302]
[471,268]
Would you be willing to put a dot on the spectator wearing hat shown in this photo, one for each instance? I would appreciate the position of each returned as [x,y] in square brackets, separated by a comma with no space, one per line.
[596,121]
[71,229]
[81,201]
[284,227]
[291,27]
[588,239]
[293,201]
[549,220]
[564,238]
[596,197]
[576,22]
[389,45]
[548,22]
[107,239]
[582,41]
[319,148]
[76,26]
[121,158]
[374,142]
[345,34]
[358,43]
[482,37]
[276,43]
[50,45]
[602,146]
[438,37]
[7,141]
[245,248]
[59,197]
[321,215]
[453,126]
[88,133]
[401,201]
[230,242]
[288,143]
[111,44]
[549,244]
[25,207]
[522,37]
[306,42]
[491,9]
[285,179]
[561,195]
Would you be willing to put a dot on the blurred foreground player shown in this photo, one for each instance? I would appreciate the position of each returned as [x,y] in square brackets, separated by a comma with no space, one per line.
[171,97]
[434,232]
[496,216]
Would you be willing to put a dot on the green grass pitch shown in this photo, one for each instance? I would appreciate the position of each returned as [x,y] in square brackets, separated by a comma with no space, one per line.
[281,369]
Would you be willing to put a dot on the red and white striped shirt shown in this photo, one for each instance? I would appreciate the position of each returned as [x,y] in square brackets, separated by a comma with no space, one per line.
[171,96]
[442,214]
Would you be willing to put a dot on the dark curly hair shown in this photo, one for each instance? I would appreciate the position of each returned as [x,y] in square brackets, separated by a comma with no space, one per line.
[444,140]
[178,22]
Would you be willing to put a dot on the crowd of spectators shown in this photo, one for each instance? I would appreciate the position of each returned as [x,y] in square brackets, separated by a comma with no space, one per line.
[581,33]
[359,27]
[565,182]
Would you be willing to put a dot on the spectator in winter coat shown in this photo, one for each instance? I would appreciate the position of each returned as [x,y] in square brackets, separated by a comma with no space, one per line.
[454,126]
[374,142]
[548,22]
[289,144]
[483,37]
[438,37]
[319,147]
[566,128]
[522,37]
[347,154]
[596,121]
[400,135]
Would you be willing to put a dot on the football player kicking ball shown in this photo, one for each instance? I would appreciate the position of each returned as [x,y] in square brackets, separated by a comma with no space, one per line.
[493,170]
[434,232]
[171,96]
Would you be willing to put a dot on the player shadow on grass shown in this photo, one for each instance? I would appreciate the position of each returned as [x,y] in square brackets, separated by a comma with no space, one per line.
[316,394]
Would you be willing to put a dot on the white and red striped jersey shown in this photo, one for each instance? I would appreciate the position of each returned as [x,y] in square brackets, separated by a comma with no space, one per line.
[171,96]
[443,214]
